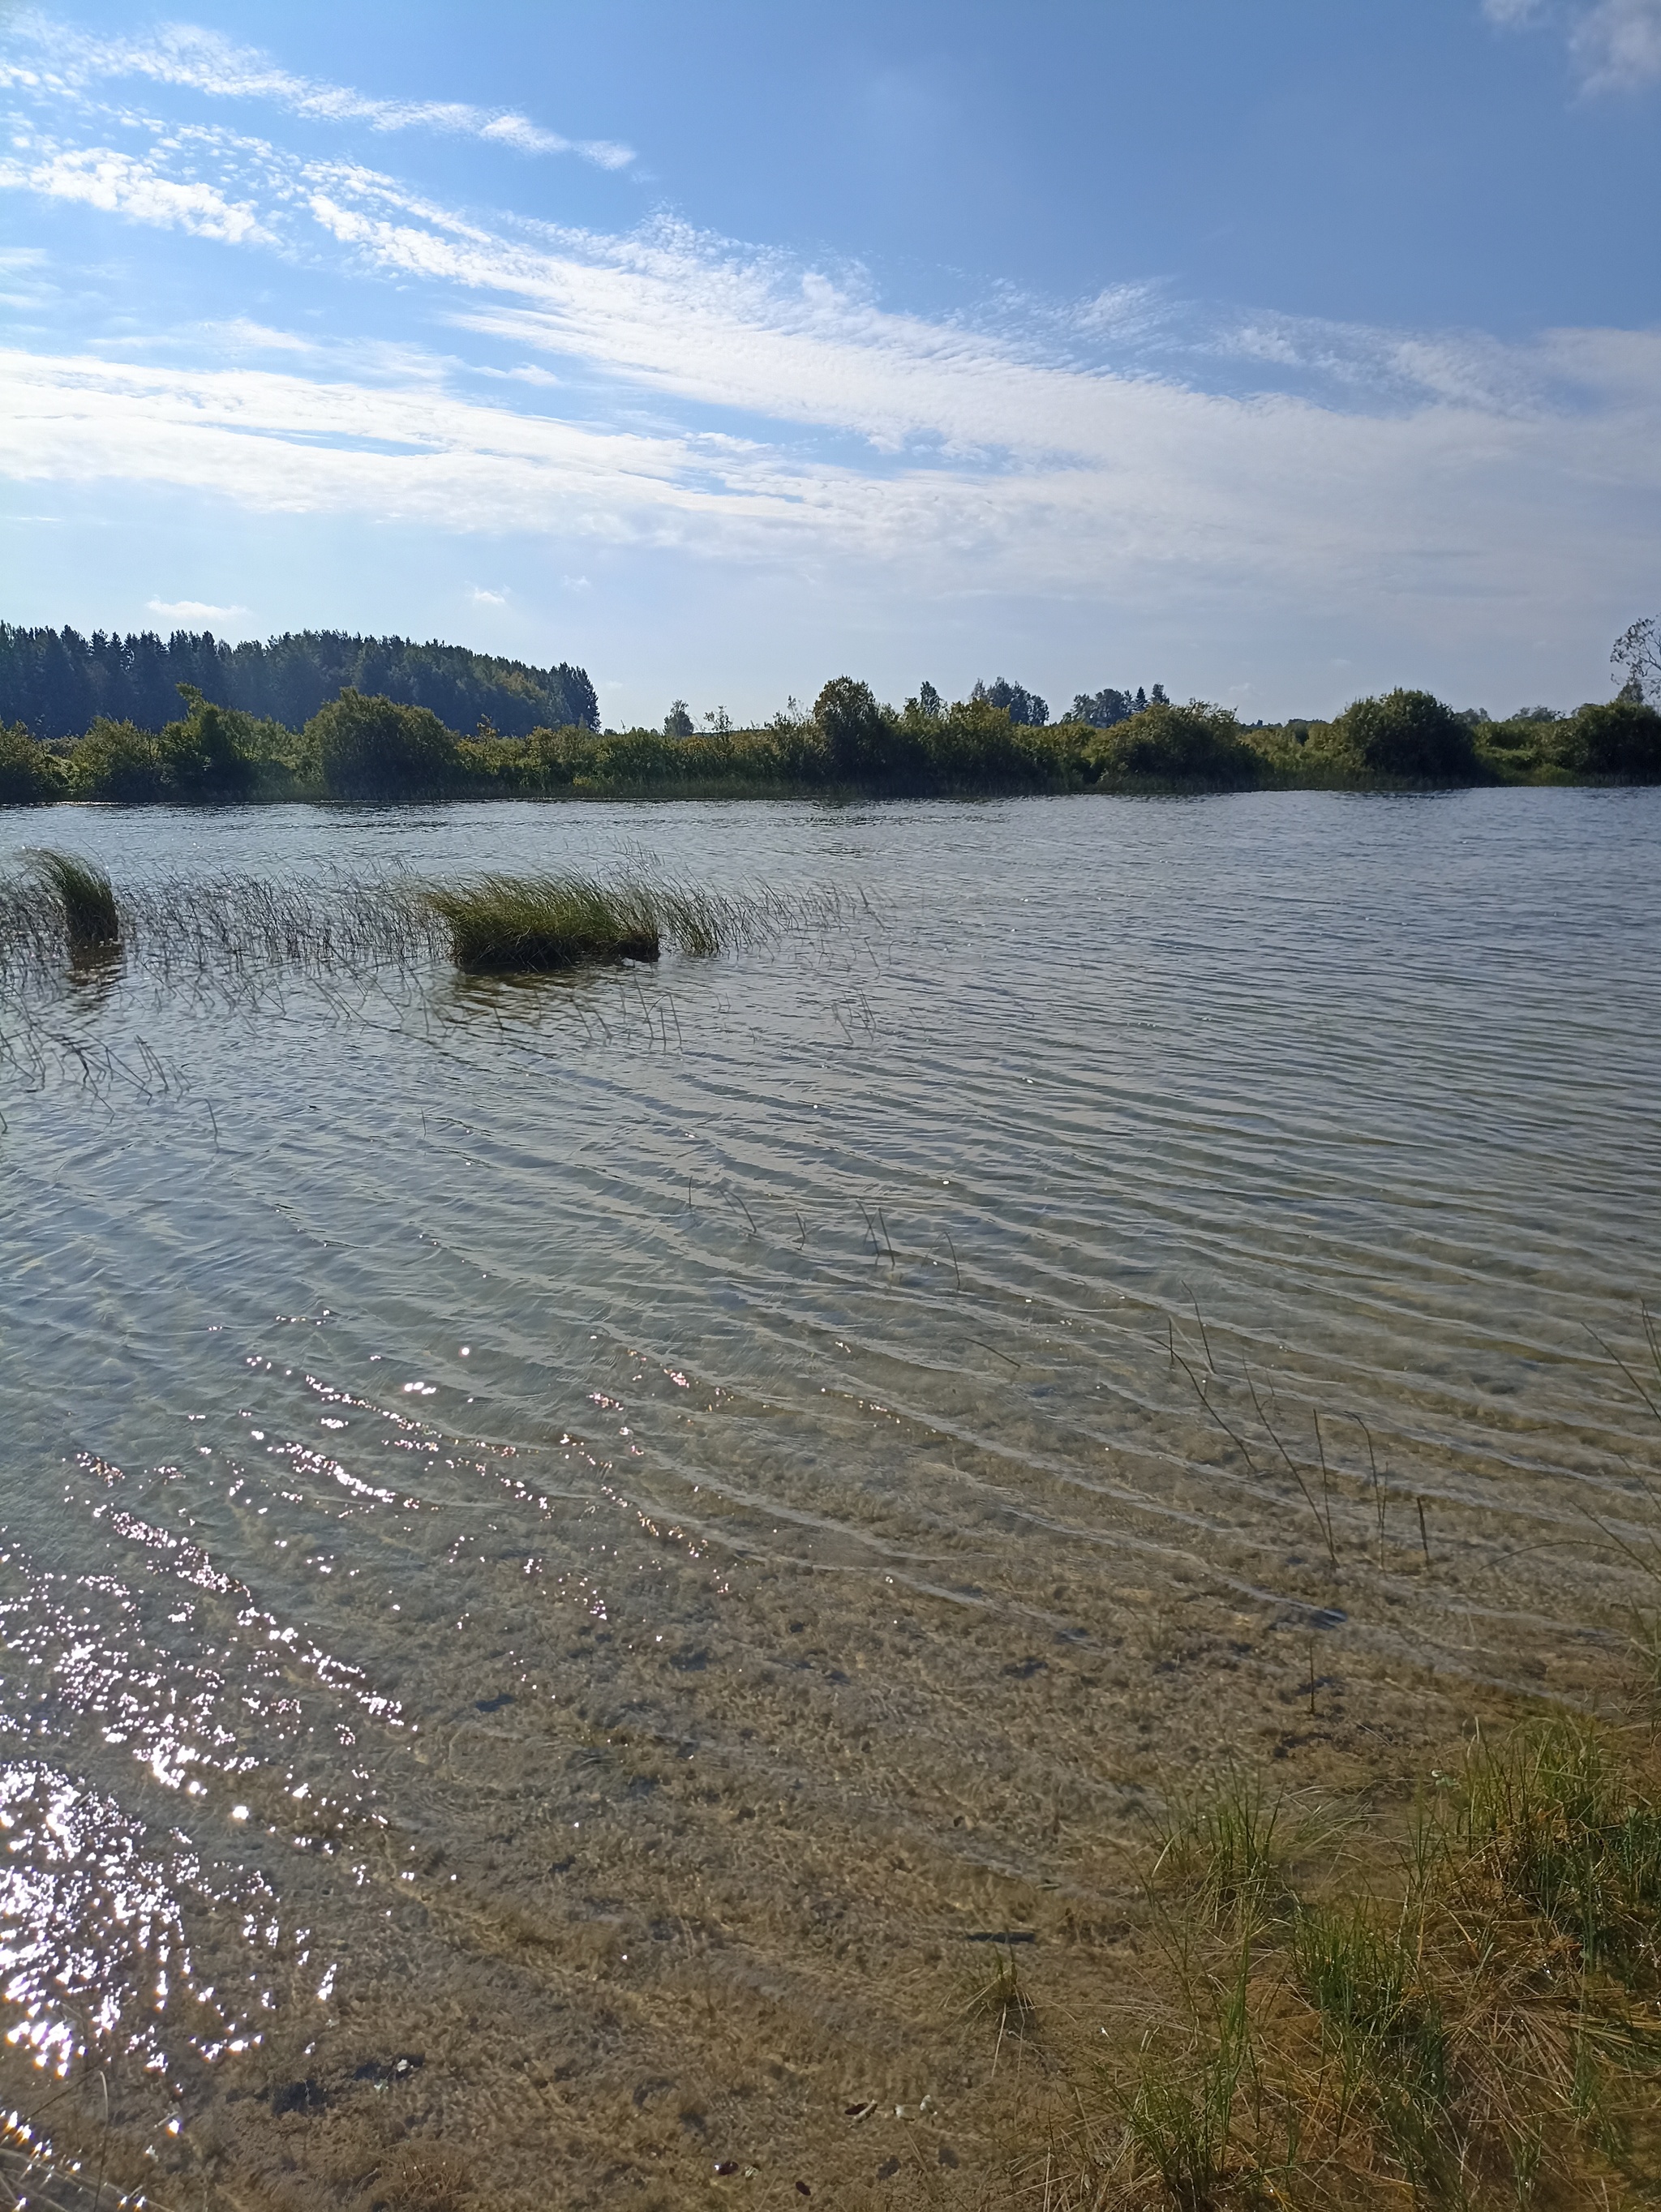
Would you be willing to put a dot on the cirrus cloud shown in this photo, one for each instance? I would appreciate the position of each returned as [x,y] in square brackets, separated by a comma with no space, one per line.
[199,60]
[669,390]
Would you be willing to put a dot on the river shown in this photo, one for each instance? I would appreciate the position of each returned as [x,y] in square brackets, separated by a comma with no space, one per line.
[568,1546]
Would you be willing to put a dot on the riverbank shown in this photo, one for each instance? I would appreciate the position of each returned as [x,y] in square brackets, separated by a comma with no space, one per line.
[1377,1935]
[362,749]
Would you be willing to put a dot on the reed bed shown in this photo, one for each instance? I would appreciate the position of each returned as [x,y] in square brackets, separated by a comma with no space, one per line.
[184,931]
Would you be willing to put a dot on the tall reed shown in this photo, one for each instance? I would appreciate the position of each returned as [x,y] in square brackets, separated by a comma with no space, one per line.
[226,930]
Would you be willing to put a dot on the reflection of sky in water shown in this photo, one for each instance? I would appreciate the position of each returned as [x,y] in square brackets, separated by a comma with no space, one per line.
[490,1369]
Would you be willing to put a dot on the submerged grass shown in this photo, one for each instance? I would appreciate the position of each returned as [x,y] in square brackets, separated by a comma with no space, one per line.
[1465,2016]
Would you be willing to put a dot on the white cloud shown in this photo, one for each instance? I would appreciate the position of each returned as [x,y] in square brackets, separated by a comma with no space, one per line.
[123,184]
[202,61]
[1456,513]
[1462,482]
[481,597]
[193,611]
[1615,45]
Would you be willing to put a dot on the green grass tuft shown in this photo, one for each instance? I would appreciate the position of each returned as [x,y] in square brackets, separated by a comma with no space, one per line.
[91,922]
[508,924]
[1468,2022]
[1227,1845]
[1567,1834]
[501,923]
[1180,2118]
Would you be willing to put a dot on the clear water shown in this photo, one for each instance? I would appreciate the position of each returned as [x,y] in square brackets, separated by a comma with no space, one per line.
[574,1471]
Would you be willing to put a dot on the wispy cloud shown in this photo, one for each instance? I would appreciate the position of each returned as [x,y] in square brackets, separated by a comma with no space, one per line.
[1615,44]
[1188,493]
[696,319]
[203,61]
[741,405]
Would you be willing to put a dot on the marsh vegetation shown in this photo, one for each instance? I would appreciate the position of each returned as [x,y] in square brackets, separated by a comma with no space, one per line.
[1445,2001]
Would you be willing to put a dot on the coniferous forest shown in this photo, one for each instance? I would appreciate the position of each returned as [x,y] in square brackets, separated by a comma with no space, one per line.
[58,683]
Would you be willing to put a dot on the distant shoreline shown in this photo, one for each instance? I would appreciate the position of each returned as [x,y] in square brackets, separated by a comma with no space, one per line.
[361,747]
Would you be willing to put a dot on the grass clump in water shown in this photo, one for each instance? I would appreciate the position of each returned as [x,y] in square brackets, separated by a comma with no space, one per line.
[502,924]
[505,924]
[86,897]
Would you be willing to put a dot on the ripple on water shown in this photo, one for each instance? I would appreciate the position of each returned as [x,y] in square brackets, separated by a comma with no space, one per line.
[472,1452]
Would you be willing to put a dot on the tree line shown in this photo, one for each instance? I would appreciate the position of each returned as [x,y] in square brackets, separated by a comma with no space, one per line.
[58,684]
[374,748]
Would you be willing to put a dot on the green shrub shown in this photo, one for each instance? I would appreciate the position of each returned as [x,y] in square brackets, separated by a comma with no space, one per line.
[488,761]
[1409,736]
[375,749]
[1195,743]
[975,746]
[795,747]
[857,734]
[28,773]
[116,761]
[1530,749]
[632,758]
[207,755]
[1618,738]
[783,755]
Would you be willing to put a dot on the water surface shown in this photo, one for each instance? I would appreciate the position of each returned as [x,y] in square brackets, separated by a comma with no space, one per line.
[590,1534]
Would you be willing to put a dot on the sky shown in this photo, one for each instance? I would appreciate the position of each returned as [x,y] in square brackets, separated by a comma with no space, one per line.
[1278,353]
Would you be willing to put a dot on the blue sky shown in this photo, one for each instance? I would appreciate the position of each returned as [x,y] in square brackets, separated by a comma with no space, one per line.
[1277,353]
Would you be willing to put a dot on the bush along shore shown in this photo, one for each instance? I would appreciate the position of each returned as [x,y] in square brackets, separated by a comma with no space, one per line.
[369,749]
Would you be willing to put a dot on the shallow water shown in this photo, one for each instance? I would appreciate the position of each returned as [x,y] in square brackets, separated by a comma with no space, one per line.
[526,1504]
